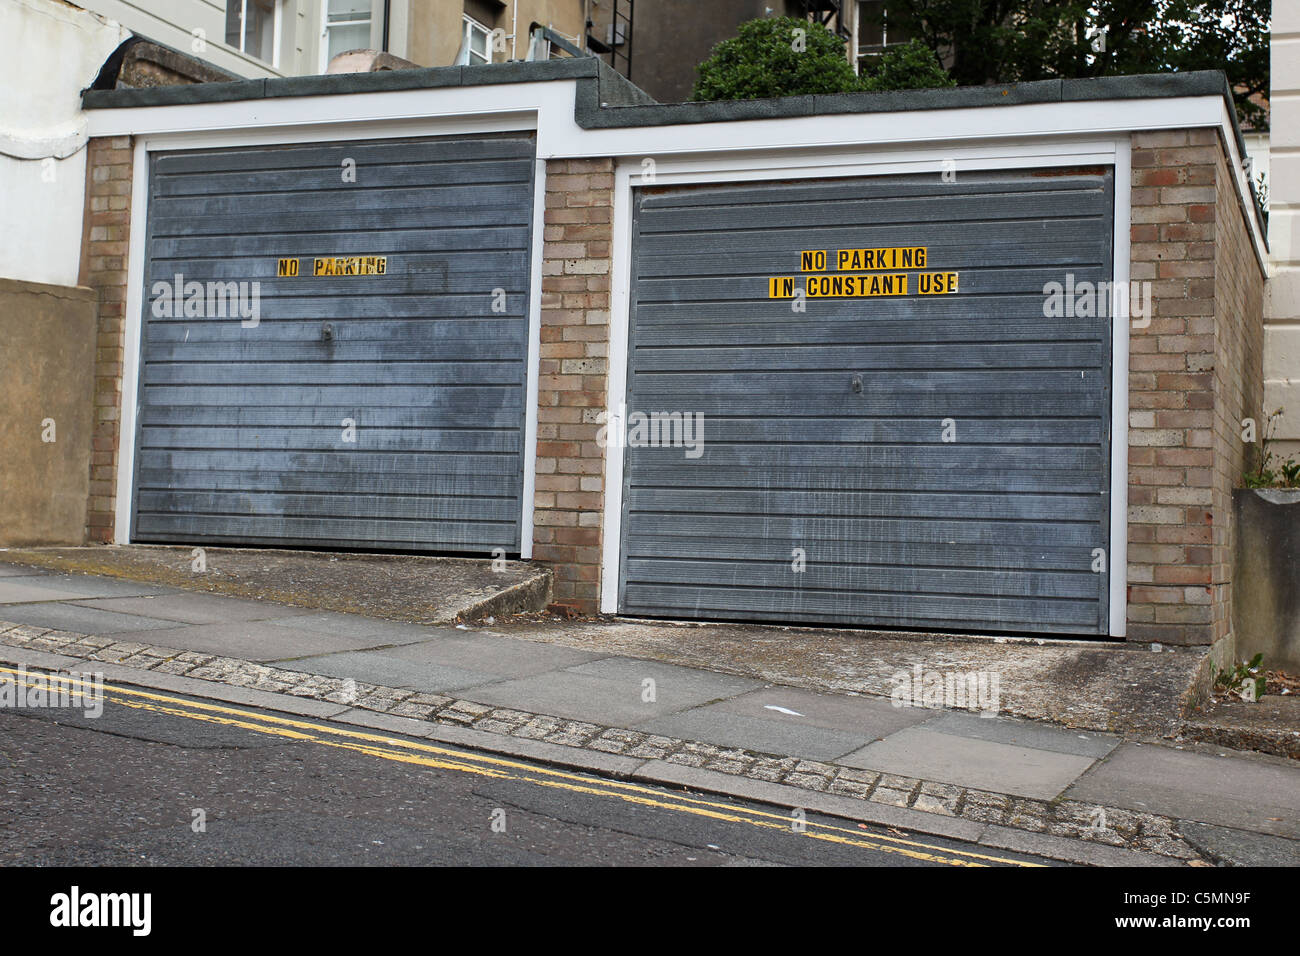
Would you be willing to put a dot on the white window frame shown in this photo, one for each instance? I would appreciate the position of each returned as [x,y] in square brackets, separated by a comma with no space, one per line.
[325,30]
[467,56]
[276,25]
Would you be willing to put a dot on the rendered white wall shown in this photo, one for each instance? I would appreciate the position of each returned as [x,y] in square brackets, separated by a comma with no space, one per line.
[49,51]
[173,23]
[1282,297]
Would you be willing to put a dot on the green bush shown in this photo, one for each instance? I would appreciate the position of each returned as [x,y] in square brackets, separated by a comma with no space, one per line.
[908,66]
[777,56]
[785,56]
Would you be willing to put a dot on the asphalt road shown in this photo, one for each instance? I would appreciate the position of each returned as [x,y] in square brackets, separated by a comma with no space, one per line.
[159,779]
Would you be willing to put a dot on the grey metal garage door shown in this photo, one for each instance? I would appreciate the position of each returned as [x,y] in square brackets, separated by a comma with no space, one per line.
[376,398]
[906,460]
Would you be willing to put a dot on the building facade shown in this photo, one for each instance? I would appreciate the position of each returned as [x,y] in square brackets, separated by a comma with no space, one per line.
[726,361]
[1282,322]
[264,38]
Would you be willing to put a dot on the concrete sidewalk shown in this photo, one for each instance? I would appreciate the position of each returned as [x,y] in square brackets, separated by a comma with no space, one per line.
[405,587]
[1083,795]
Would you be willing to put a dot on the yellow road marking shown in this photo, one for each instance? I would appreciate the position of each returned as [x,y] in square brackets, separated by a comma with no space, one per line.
[488,765]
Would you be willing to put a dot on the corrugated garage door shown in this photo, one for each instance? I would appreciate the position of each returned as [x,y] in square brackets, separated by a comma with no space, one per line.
[910,460]
[377,404]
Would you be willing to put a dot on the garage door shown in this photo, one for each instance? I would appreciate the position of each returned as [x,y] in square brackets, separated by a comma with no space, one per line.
[894,432]
[371,395]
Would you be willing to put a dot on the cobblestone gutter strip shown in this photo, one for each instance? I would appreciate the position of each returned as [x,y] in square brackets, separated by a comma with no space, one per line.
[1112,826]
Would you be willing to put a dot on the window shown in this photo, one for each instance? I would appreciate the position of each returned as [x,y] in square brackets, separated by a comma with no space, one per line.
[347,27]
[251,27]
[875,32]
[477,47]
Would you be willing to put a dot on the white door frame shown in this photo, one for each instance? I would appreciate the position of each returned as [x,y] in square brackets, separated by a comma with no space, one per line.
[802,164]
[523,121]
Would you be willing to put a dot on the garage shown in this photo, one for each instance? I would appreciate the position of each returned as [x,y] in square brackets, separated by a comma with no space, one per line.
[334,346]
[895,433]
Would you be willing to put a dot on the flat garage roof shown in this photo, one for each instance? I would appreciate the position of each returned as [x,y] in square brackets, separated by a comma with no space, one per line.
[604,99]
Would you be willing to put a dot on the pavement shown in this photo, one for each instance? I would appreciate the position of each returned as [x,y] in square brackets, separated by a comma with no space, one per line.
[405,587]
[874,754]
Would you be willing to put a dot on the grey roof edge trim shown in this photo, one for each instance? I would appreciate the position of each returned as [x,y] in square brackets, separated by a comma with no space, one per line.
[329,84]
[594,111]
[1144,86]
[606,100]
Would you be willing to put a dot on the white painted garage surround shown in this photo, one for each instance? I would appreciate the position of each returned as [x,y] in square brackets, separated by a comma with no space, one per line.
[981,145]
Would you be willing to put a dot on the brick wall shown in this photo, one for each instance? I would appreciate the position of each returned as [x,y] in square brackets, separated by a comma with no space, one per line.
[1190,376]
[1238,377]
[1194,373]
[571,382]
[106,231]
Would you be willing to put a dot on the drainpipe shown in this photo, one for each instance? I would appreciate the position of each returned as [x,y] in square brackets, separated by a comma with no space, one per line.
[388,10]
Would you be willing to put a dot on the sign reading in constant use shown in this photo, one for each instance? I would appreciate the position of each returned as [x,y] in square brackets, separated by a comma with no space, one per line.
[862,273]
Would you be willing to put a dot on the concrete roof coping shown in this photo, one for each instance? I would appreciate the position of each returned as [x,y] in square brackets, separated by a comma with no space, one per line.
[613,102]
[607,100]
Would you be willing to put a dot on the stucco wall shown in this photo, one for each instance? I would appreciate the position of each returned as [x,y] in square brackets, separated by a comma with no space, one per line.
[1282,326]
[48,53]
[46,381]
[434,27]
[1267,611]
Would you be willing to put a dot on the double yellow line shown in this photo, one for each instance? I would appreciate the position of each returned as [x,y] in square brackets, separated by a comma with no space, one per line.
[503,768]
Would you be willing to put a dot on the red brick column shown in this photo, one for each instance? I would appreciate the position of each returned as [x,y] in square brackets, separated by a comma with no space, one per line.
[1190,383]
[106,233]
[572,378]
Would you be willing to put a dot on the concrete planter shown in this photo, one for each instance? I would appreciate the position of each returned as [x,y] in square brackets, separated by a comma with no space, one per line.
[1266,579]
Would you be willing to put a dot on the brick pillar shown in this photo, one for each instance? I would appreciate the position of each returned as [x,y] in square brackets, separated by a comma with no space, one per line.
[1185,449]
[572,378]
[106,233]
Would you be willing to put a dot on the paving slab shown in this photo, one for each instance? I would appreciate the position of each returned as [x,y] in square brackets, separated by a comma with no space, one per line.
[970,762]
[387,670]
[1022,733]
[260,641]
[27,591]
[1096,685]
[715,726]
[504,657]
[86,586]
[1233,790]
[691,681]
[609,691]
[194,608]
[361,628]
[869,717]
[786,720]
[20,571]
[82,620]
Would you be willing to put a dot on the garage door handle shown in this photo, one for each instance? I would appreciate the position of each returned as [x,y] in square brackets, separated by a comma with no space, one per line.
[857,384]
[327,333]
